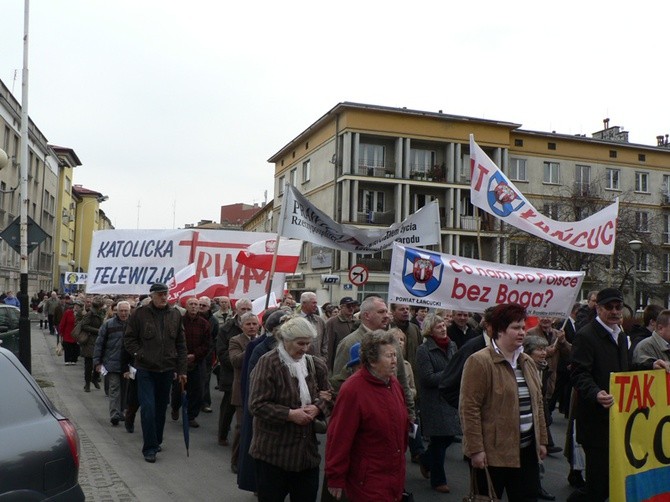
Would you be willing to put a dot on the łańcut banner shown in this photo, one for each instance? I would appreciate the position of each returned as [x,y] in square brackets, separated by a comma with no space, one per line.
[491,191]
[430,279]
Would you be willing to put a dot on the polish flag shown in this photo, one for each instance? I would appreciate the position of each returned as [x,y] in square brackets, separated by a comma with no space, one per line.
[182,282]
[212,287]
[259,255]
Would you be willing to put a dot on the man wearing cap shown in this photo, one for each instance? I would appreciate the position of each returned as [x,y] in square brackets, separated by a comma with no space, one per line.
[339,326]
[600,347]
[401,319]
[155,338]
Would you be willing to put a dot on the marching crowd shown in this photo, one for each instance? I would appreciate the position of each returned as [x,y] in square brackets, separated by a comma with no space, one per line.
[370,380]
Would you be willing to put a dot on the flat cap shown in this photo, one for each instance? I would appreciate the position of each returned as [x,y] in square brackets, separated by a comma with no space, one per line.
[158,287]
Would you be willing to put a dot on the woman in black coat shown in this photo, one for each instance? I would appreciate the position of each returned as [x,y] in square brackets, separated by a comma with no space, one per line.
[439,420]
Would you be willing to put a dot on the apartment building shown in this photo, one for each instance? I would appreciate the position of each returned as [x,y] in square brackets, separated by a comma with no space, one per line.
[372,166]
[42,195]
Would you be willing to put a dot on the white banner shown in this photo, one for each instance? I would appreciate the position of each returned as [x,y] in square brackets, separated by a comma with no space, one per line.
[491,191]
[73,278]
[302,220]
[129,261]
[429,279]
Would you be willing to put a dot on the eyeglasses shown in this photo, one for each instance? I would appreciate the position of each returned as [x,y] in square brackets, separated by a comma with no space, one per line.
[613,306]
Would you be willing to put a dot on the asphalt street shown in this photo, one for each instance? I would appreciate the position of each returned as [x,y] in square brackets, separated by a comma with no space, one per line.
[113,468]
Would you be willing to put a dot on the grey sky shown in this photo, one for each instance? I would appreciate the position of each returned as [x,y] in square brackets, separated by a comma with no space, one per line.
[178,105]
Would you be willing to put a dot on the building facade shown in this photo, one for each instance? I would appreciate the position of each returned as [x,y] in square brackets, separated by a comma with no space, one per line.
[373,166]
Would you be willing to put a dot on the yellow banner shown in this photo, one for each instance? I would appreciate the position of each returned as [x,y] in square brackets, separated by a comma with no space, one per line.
[639,438]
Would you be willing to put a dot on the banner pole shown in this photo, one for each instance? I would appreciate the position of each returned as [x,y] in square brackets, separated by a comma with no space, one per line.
[280,228]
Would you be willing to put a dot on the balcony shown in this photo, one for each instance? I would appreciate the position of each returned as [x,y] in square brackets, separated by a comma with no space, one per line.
[469,223]
[375,264]
[375,171]
[376,217]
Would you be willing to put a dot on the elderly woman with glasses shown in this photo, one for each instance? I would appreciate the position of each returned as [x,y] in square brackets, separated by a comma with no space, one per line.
[502,410]
[289,390]
[368,432]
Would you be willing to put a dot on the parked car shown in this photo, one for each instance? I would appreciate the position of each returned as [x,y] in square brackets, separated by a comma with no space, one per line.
[39,456]
[9,327]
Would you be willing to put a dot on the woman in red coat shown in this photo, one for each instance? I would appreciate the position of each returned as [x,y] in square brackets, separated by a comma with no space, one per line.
[65,327]
[368,430]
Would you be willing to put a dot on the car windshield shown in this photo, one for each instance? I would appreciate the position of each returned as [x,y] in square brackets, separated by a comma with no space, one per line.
[9,318]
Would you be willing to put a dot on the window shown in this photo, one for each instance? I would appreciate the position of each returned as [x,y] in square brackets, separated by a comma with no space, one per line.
[665,189]
[641,182]
[306,170]
[613,154]
[369,200]
[421,161]
[642,261]
[293,176]
[468,249]
[612,177]
[641,157]
[582,179]
[551,146]
[303,253]
[281,184]
[371,155]
[517,252]
[63,247]
[642,221]
[666,267]
[517,170]
[68,184]
[550,211]
[551,173]
[518,142]
[666,229]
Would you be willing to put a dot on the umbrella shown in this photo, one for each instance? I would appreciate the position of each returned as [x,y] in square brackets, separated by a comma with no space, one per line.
[184,415]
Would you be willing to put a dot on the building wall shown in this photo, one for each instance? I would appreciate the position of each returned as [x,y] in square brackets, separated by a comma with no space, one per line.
[364,178]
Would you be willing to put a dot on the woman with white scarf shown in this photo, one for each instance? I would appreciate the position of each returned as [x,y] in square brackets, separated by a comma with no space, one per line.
[287,393]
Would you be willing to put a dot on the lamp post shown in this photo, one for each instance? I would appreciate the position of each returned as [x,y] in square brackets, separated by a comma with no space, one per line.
[635,246]
[101,198]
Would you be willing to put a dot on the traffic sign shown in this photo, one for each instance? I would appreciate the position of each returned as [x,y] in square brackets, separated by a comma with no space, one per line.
[11,235]
[359,274]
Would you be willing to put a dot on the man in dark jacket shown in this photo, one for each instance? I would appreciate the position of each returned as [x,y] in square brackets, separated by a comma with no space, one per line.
[107,355]
[600,348]
[197,332]
[155,338]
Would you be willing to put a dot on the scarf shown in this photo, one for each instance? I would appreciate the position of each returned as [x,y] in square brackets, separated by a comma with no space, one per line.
[443,343]
[297,369]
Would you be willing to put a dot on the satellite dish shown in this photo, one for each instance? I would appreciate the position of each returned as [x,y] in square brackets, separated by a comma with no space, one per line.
[4,160]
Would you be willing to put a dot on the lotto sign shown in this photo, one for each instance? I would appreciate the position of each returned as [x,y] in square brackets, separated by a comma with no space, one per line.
[640,437]
[430,279]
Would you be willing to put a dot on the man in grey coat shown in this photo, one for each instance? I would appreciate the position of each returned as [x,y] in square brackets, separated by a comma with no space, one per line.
[107,356]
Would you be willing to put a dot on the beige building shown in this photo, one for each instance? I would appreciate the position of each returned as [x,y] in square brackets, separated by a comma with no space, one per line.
[88,219]
[371,166]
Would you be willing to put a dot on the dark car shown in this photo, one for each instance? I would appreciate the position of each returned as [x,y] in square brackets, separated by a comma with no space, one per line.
[9,327]
[39,447]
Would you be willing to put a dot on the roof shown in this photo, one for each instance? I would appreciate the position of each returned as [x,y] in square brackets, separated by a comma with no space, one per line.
[85,192]
[239,213]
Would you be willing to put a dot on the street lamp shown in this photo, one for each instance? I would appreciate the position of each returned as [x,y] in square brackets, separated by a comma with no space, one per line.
[635,246]
[101,198]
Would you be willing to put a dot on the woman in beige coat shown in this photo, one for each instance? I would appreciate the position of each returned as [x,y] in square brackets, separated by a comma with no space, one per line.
[501,409]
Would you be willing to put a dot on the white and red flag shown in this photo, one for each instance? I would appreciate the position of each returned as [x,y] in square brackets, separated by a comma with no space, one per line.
[493,192]
[259,255]
[183,282]
[212,287]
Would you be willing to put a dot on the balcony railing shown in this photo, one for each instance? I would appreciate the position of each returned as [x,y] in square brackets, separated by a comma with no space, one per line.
[468,223]
[376,264]
[375,171]
[376,217]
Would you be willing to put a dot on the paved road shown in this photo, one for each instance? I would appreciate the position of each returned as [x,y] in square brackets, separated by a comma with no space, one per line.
[113,469]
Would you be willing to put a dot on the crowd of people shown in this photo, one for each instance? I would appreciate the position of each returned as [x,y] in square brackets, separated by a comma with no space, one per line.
[371,380]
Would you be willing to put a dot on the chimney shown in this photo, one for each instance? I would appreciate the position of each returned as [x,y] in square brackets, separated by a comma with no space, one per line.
[606,123]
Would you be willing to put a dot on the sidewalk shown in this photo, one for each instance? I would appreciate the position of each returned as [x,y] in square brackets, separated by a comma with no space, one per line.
[112,467]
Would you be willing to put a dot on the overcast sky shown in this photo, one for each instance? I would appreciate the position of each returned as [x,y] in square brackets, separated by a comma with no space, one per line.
[176,106]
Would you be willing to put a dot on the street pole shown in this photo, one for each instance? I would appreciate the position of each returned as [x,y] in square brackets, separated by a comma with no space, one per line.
[24,320]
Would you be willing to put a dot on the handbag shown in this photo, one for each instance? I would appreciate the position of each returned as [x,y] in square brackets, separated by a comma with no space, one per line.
[475,495]
[320,425]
